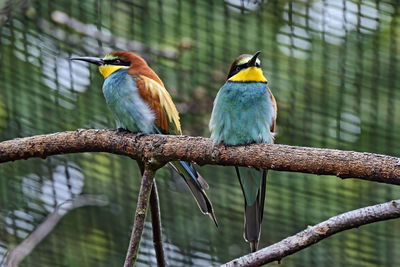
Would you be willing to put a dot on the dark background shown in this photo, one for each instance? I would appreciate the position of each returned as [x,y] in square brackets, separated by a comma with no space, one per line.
[332,65]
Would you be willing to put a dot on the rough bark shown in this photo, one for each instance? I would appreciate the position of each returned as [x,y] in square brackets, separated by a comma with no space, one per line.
[316,233]
[140,215]
[163,148]
[156,150]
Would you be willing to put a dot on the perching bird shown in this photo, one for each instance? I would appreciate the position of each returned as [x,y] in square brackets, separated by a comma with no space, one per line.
[140,103]
[244,112]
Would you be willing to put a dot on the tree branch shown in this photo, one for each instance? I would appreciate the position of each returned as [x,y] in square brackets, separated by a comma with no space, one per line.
[155,220]
[91,31]
[140,215]
[156,150]
[163,148]
[314,234]
[25,247]
[156,226]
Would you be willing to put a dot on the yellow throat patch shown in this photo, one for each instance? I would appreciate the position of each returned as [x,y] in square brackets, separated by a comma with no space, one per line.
[107,70]
[251,74]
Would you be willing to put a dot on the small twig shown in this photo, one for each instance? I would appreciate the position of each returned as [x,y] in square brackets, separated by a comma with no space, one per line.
[314,234]
[140,215]
[91,31]
[156,226]
[18,253]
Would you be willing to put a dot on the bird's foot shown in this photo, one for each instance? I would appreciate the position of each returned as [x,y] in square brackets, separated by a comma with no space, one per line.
[138,135]
[122,130]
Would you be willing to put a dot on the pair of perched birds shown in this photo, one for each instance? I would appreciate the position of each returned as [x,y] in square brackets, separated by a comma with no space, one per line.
[244,112]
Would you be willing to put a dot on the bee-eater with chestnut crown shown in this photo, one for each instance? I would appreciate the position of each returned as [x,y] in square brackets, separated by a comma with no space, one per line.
[244,112]
[140,103]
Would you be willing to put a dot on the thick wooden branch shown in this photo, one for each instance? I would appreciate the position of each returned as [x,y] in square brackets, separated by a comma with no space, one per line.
[163,148]
[316,233]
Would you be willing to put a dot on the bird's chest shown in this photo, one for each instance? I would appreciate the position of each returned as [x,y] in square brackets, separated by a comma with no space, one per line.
[247,101]
[117,87]
[249,96]
[247,113]
[129,109]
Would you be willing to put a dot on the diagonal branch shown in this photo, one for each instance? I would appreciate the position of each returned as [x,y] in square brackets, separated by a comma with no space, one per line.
[140,215]
[19,253]
[316,233]
[163,148]
[156,226]
[155,220]
[91,31]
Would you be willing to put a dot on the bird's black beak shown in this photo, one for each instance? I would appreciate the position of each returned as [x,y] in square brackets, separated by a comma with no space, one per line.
[93,60]
[252,61]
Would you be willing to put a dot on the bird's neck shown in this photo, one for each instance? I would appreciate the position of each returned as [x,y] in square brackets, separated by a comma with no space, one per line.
[107,70]
[145,71]
[251,74]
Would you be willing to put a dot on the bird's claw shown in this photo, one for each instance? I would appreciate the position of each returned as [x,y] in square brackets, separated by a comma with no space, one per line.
[122,130]
[138,135]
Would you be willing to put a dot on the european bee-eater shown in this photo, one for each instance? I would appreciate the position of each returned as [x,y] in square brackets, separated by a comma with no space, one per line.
[140,103]
[244,112]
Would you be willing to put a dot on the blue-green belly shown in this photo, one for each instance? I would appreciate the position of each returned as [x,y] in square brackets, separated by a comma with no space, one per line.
[129,109]
[243,113]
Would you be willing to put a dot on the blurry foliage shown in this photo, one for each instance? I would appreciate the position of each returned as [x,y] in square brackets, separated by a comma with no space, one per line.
[332,66]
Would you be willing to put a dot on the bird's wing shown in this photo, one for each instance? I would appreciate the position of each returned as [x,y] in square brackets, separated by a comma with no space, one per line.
[275,110]
[160,101]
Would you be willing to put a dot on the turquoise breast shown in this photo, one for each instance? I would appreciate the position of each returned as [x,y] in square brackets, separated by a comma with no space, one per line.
[130,111]
[243,113]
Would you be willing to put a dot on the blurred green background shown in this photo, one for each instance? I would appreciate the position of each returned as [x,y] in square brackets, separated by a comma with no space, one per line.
[332,65]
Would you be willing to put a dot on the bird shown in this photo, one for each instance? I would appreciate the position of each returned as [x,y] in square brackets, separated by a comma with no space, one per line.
[244,112]
[140,103]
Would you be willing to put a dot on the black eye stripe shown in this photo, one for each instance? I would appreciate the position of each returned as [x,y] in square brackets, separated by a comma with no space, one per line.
[244,65]
[118,62]
[240,67]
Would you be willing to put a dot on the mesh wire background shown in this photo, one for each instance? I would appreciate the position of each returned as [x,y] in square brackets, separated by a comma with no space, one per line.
[332,66]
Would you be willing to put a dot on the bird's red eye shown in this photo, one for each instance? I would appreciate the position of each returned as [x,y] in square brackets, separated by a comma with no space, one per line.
[117,61]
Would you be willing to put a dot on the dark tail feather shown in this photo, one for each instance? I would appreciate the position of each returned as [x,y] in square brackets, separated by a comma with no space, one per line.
[263,191]
[253,214]
[196,184]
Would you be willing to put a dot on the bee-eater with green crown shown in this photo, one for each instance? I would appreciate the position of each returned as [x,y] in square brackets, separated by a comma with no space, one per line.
[140,103]
[244,112]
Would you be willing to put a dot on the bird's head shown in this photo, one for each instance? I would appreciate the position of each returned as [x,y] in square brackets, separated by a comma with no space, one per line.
[246,68]
[115,61]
